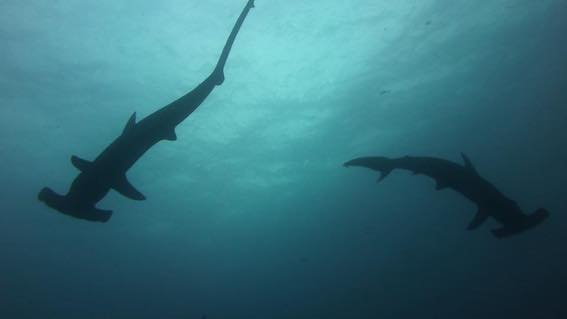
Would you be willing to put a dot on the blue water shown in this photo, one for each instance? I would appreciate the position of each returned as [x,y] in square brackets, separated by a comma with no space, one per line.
[249,214]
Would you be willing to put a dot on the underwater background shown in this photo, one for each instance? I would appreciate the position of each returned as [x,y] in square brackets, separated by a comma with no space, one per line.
[250,214]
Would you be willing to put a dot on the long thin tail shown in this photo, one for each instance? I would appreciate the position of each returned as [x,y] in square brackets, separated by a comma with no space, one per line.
[219,69]
[380,164]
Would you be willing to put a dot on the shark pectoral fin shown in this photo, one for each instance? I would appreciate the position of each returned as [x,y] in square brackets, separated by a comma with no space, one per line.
[100,215]
[478,220]
[126,189]
[171,136]
[440,185]
[383,174]
[130,124]
[503,232]
[81,164]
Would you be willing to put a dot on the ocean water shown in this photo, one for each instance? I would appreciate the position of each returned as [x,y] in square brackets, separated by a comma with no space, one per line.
[250,214]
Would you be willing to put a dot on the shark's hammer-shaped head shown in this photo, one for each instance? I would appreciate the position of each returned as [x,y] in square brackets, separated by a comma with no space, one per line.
[51,198]
[528,222]
[64,205]
[538,216]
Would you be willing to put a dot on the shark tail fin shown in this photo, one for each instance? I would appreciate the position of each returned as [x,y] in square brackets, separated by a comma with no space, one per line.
[529,222]
[218,73]
[381,164]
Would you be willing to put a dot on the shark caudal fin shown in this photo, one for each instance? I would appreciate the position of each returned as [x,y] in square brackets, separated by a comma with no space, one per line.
[381,164]
[218,73]
[62,204]
[529,222]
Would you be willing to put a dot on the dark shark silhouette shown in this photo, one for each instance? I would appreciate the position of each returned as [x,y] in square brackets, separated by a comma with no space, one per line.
[465,180]
[108,170]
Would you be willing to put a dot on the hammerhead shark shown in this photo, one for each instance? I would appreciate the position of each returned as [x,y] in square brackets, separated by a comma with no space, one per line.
[108,170]
[465,180]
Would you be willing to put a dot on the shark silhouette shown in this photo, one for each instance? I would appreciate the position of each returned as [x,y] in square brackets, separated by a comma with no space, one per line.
[465,180]
[108,170]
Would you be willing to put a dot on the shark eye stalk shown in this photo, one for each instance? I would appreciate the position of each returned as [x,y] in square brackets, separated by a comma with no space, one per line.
[51,198]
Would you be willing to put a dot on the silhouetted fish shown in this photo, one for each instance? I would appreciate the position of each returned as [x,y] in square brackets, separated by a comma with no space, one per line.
[465,180]
[108,170]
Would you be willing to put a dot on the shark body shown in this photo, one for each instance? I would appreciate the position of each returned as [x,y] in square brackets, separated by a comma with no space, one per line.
[465,180]
[108,170]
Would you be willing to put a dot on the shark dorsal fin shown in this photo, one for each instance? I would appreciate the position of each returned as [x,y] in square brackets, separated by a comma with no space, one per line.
[130,124]
[81,164]
[468,164]
[126,189]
